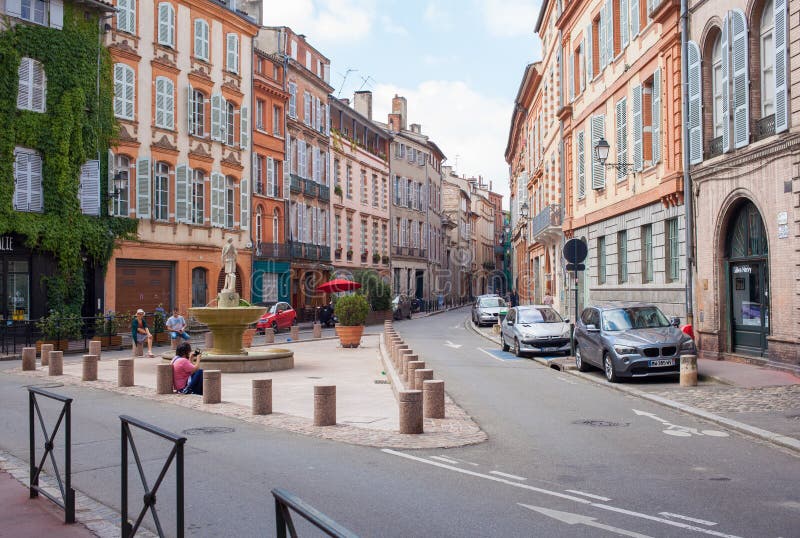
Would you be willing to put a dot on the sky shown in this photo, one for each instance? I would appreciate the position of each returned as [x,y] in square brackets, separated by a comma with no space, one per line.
[458,63]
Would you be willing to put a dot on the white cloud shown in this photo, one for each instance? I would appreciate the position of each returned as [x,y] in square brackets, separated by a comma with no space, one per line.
[437,17]
[323,20]
[391,27]
[466,125]
[510,18]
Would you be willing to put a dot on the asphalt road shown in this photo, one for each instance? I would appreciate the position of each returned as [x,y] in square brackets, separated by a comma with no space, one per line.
[565,458]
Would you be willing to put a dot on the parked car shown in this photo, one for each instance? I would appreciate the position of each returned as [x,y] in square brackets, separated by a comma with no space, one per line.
[534,329]
[630,340]
[401,307]
[487,309]
[279,316]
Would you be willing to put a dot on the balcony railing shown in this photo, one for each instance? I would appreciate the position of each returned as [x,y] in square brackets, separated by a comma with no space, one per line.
[297,250]
[310,188]
[324,254]
[297,183]
[324,193]
[547,224]
[272,251]
[714,147]
[764,127]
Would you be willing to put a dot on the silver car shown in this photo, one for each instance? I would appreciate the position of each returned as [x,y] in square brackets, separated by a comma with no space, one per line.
[535,329]
[630,340]
[487,309]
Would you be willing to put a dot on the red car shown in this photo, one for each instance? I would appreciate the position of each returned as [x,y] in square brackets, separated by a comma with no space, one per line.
[279,316]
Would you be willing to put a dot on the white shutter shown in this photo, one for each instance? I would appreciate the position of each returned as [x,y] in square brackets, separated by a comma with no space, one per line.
[623,23]
[302,165]
[315,164]
[327,119]
[589,58]
[57,14]
[143,174]
[89,194]
[638,154]
[598,125]
[271,190]
[232,53]
[25,83]
[695,94]
[216,116]
[601,41]
[160,106]
[245,204]
[571,81]
[110,177]
[169,104]
[581,165]
[198,38]
[292,100]
[182,190]
[217,199]
[781,68]
[14,8]
[164,26]
[741,79]
[656,116]
[724,45]
[622,136]
[130,92]
[244,128]
[38,87]
[22,180]
[609,31]
[35,182]
[634,18]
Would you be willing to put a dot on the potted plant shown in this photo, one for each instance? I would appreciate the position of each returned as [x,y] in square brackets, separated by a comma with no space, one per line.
[349,253]
[364,255]
[338,251]
[351,310]
[160,325]
[385,259]
[105,330]
[337,190]
[58,328]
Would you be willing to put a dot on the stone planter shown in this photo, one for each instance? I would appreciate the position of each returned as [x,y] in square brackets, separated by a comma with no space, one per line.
[247,337]
[161,338]
[349,336]
[58,345]
[109,342]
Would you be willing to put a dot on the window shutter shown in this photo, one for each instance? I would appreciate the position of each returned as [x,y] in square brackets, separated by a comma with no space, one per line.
[189,108]
[57,14]
[38,87]
[656,129]
[726,135]
[169,104]
[25,84]
[216,116]
[638,154]
[601,41]
[598,124]
[22,180]
[90,188]
[130,92]
[217,199]
[35,182]
[327,119]
[14,8]
[623,23]
[232,56]
[143,187]
[244,128]
[695,94]
[581,165]
[198,38]
[164,37]
[160,106]
[571,76]
[609,31]
[271,185]
[741,80]
[781,68]
[589,58]
[182,187]
[110,175]
[315,171]
[634,18]
[622,136]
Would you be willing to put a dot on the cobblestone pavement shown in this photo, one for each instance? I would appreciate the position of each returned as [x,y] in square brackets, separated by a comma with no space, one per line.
[727,399]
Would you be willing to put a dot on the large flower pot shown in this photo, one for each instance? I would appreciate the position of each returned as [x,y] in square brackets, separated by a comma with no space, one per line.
[109,342]
[349,336]
[58,345]
[162,338]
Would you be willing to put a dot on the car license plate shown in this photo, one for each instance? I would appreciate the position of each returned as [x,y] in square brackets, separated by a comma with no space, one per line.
[662,362]
[550,349]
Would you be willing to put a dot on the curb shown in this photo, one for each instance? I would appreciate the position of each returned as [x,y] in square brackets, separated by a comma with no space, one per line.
[758,433]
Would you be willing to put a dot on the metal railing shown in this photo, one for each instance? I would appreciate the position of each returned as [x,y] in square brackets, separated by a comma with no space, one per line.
[310,188]
[67,501]
[296,184]
[149,498]
[271,251]
[71,335]
[297,250]
[765,127]
[548,217]
[324,254]
[714,147]
[284,501]
[324,193]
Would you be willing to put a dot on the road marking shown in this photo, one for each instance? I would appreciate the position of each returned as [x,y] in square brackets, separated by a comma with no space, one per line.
[560,495]
[467,462]
[495,357]
[680,431]
[578,519]
[511,476]
[446,460]
[590,495]
[687,518]
[452,345]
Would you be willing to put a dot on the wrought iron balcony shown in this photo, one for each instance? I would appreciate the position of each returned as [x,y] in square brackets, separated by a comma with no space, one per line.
[764,127]
[310,188]
[714,147]
[546,226]
[324,193]
[272,251]
[324,254]
[297,183]
[297,250]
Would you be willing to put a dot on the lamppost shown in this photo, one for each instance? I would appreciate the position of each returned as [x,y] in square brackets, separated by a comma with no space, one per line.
[523,211]
[506,241]
[601,150]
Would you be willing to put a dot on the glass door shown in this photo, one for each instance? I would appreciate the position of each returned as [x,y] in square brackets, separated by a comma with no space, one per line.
[749,306]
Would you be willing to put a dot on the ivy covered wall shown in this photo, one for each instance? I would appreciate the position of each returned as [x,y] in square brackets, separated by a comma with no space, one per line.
[78,125]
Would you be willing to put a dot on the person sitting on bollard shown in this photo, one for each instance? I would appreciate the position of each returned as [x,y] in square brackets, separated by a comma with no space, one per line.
[141,333]
[176,325]
[187,376]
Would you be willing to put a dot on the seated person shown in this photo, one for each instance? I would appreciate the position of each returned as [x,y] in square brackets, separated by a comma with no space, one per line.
[187,376]
[141,333]
[176,326]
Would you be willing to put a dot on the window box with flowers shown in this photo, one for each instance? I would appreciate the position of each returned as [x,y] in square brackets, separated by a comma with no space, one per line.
[376,258]
[338,251]
[364,255]
[385,259]
[349,254]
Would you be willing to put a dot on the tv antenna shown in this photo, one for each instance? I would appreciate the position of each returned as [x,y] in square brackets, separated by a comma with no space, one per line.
[344,80]
[364,81]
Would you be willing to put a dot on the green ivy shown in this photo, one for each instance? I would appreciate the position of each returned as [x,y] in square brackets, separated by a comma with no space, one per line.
[77,125]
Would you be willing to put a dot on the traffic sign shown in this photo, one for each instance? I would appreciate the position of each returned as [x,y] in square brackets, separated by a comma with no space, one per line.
[575,251]
[576,267]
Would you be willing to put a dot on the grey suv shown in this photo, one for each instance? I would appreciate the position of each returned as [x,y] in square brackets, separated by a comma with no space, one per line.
[629,340]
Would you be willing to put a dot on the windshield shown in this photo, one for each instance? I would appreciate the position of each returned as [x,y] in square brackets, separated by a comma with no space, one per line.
[273,308]
[491,302]
[644,317]
[538,315]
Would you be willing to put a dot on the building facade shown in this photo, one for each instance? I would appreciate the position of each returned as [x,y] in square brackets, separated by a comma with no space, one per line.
[182,73]
[360,202]
[457,209]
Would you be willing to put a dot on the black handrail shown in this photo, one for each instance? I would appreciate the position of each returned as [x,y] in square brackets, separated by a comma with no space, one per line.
[283,518]
[149,499]
[67,501]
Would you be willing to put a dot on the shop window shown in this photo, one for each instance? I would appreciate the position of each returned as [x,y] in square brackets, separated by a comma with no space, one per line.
[18,286]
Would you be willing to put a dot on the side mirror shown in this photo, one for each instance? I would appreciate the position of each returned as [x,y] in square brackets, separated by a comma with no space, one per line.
[675,322]
[592,328]
[566,320]
[509,322]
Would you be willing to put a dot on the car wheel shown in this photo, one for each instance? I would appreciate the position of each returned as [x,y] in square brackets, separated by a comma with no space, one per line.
[579,364]
[275,326]
[503,342]
[608,367]
[517,352]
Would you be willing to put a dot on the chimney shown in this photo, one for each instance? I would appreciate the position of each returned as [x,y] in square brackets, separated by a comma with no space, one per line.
[252,7]
[362,102]
[400,107]
[490,184]
[394,122]
[416,128]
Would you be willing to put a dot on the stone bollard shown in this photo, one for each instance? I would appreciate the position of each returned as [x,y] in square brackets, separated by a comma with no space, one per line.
[406,356]
[318,330]
[688,370]
[212,386]
[46,349]
[55,365]
[164,378]
[391,342]
[95,348]
[209,337]
[124,372]
[433,398]
[262,396]
[324,405]
[89,371]
[411,367]
[396,354]
[29,358]
[420,376]
[410,404]
[138,349]
[269,335]
[294,333]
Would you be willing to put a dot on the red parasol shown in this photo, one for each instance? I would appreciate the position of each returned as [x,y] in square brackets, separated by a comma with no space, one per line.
[338,284]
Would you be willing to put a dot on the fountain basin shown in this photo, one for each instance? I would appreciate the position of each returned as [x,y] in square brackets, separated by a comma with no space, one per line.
[227,325]
[270,360]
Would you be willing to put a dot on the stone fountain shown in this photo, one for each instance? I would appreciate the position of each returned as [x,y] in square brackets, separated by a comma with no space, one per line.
[228,321]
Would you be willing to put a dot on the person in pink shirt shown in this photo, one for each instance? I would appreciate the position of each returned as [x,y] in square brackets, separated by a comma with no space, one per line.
[187,376]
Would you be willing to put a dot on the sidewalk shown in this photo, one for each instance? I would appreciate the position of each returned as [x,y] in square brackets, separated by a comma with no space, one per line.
[757,401]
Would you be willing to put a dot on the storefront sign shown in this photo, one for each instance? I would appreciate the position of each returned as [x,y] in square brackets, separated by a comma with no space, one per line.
[742,269]
[6,243]
[783,231]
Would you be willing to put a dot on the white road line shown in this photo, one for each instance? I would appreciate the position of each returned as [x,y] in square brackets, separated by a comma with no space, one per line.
[492,356]
[578,500]
[446,460]
[512,476]
[687,518]
[590,495]
[467,462]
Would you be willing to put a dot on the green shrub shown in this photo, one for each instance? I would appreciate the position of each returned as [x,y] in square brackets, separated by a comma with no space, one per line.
[373,287]
[60,325]
[352,310]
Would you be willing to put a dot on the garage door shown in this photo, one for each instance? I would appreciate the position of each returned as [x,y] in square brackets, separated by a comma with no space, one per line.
[144,285]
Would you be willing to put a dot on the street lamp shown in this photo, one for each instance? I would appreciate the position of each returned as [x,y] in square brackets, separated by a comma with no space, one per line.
[523,210]
[601,151]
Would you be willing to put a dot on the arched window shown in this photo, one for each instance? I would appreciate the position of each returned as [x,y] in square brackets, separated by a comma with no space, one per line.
[165,103]
[124,91]
[716,87]
[767,46]
[259,226]
[275,226]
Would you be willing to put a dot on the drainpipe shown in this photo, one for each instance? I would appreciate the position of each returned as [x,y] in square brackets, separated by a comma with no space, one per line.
[687,186]
[250,186]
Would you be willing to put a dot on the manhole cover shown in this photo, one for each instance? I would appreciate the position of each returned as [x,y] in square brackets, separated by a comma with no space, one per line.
[208,430]
[313,377]
[601,423]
